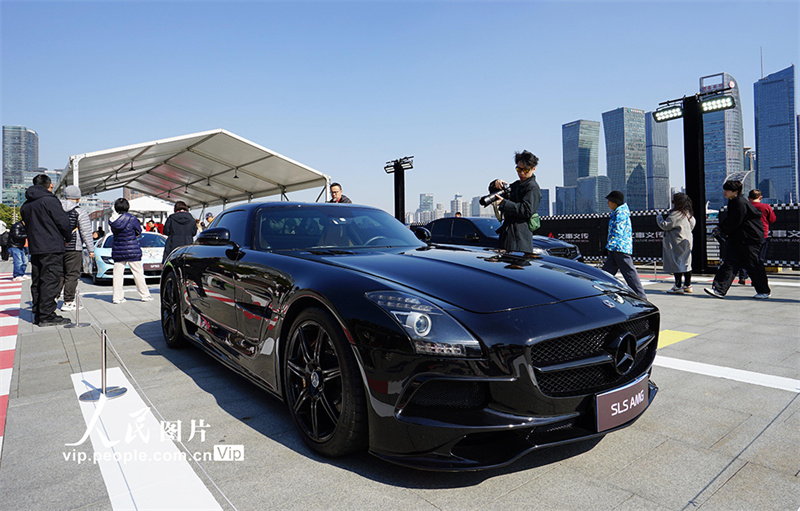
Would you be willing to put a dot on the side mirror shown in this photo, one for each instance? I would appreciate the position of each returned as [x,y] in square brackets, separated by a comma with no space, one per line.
[423,234]
[215,236]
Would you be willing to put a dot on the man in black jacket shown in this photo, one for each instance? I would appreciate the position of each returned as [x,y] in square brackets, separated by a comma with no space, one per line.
[517,207]
[48,230]
[745,234]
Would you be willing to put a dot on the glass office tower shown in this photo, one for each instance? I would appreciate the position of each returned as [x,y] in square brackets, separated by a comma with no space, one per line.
[580,142]
[657,149]
[544,205]
[626,159]
[591,193]
[426,202]
[565,200]
[723,140]
[776,135]
[20,154]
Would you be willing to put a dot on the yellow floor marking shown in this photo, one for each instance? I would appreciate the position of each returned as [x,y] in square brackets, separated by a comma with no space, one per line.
[667,337]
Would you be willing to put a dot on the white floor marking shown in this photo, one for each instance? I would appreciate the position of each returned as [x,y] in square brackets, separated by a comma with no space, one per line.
[765,380]
[141,470]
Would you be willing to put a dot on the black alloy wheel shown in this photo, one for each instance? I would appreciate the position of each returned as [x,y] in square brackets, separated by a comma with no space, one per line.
[323,387]
[170,312]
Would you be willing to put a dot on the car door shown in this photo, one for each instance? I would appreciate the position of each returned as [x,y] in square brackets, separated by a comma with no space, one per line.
[211,283]
[465,233]
[440,230]
[262,287]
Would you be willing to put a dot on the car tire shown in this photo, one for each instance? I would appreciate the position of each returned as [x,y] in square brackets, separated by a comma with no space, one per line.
[323,387]
[95,280]
[171,323]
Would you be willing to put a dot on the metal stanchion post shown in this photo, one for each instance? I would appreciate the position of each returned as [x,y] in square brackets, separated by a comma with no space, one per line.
[110,392]
[77,323]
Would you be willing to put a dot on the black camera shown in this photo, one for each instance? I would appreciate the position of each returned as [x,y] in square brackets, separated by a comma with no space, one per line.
[494,197]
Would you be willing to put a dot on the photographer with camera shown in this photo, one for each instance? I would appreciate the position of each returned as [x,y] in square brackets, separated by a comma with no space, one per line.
[517,203]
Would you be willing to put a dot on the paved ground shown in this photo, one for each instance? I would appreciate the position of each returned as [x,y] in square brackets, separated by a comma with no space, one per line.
[708,442]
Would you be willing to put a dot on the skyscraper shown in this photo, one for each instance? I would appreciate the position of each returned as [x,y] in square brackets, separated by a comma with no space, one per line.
[776,135]
[590,194]
[626,160]
[458,205]
[723,140]
[426,202]
[657,152]
[544,204]
[580,142]
[565,200]
[20,154]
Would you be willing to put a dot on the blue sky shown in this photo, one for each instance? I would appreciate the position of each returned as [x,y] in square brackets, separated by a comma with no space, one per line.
[345,86]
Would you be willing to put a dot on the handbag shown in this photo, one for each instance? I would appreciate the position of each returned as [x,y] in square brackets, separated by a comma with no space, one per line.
[534,222]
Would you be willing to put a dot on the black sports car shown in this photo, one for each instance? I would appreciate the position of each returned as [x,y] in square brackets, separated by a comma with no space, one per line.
[482,232]
[445,358]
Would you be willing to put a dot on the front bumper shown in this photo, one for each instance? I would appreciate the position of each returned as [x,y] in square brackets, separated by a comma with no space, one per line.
[537,390]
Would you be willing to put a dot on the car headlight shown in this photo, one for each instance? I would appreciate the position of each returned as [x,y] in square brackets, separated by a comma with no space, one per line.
[432,330]
[540,251]
[107,259]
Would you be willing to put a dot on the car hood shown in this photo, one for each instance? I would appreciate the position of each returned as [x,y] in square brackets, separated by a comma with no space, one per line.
[547,242]
[477,281]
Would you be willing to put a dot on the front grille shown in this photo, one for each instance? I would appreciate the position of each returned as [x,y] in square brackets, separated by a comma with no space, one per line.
[450,394]
[567,252]
[583,345]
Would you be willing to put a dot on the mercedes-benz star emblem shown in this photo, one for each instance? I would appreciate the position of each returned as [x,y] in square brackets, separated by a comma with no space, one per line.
[623,349]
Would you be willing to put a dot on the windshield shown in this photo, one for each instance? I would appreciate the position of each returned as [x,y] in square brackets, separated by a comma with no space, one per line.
[329,227]
[487,226]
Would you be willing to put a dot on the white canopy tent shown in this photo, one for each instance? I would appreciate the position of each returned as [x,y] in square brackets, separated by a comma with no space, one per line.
[150,205]
[201,169]
[144,208]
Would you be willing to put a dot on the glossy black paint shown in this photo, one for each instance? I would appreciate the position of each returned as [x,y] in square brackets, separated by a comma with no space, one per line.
[238,301]
[480,232]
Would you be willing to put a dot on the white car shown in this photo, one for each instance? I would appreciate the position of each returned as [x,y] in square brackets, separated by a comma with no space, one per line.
[101,267]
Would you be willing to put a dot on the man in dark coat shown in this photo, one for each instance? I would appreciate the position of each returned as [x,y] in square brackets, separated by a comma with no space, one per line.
[337,197]
[180,228]
[48,230]
[745,234]
[522,202]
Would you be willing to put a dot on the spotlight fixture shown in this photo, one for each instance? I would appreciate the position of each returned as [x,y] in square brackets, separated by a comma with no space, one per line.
[717,103]
[399,167]
[235,173]
[668,113]
[404,163]
[208,183]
